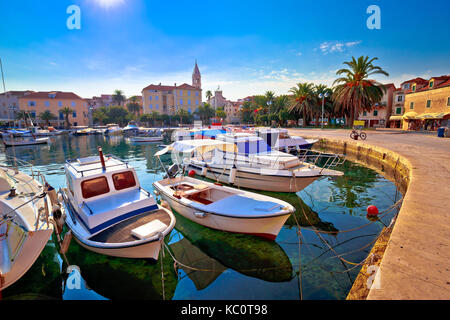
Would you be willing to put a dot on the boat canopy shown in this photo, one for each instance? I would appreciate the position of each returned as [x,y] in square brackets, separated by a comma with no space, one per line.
[200,146]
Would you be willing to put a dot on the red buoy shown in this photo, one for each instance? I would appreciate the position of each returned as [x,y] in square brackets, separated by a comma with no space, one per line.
[372,211]
[191,173]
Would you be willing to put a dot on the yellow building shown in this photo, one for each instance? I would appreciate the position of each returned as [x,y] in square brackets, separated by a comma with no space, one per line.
[427,104]
[171,99]
[54,101]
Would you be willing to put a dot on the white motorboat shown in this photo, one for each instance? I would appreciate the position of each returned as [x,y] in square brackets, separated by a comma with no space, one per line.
[279,139]
[255,166]
[108,211]
[113,129]
[219,207]
[25,222]
[131,129]
[38,132]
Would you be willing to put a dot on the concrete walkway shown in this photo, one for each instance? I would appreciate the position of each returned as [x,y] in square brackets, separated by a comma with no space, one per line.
[416,263]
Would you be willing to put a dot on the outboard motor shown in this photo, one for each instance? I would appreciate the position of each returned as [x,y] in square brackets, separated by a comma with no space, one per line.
[173,170]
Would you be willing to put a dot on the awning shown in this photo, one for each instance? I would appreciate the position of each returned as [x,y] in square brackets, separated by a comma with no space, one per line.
[200,146]
[395,118]
[431,115]
[410,115]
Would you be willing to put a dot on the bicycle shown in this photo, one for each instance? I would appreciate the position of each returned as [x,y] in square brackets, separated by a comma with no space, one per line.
[355,134]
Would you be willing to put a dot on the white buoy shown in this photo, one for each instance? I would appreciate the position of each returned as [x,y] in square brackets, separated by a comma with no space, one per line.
[232,176]
[204,170]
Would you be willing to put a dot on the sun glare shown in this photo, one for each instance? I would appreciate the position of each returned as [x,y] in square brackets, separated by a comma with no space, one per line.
[109,3]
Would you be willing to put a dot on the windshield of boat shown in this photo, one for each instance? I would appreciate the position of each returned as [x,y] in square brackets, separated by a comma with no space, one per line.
[94,187]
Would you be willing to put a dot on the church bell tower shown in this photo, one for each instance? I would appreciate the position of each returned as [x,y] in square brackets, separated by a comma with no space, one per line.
[196,77]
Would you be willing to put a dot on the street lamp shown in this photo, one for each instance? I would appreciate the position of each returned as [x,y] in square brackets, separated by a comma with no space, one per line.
[323,96]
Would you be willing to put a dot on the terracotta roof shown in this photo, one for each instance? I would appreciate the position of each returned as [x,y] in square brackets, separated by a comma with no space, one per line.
[58,95]
[17,93]
[439,82]
[158,87]
[416,80]
[188,86]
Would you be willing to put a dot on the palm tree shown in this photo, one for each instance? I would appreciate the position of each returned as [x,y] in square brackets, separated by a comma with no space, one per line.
[208,95]
[270,96]
[22,115]
[66,111]
[205,112]
[118,97]
[47,116]
[133,106]
[355,92]
[327,102]
[304,99]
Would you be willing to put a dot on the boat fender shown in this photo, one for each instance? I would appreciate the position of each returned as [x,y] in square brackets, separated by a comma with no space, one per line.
[204,170]
[199,214]
[59,218]
[232,175]
[51,194]
[156,192]
[218,184]
[66,242]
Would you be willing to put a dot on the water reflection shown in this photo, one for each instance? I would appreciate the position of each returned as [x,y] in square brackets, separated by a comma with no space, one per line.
[298,265]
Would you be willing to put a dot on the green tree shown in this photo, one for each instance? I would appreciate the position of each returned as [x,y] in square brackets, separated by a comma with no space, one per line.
[134,106]
[119,115]
[208,95]
[66,111]
[246,112]
[303,100]
[205,112]
[22,115]
[354,91]
[220,113]
[100,115]
[118,97]
[47,116]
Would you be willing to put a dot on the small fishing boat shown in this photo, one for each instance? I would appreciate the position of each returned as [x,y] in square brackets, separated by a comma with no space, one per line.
[25,222]
[23,141]
[109,213]
[219,207]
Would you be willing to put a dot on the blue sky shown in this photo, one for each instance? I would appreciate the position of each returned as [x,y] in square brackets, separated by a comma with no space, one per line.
[246,47]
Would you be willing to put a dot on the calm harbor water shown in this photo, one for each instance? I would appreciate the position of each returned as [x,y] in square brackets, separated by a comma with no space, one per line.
[214,264]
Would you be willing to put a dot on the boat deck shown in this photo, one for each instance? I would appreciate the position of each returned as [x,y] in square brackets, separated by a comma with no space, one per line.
[121,232]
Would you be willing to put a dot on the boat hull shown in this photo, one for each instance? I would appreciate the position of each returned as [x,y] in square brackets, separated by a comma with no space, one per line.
[9,143]
[146,139]
[265,227]
[257,181]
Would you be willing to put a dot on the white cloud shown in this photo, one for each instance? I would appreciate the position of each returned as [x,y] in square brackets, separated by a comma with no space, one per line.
[336,46]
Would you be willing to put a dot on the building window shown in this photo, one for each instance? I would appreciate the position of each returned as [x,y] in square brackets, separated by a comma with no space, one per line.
[414,88]
[74,114]
[189,92]
[375,113]
[189,109]
[400,98]
[189,101]
[59,103]
[31,103]
[406,86]
[73,104]
[364,113]
[411,105]
[428,103]
[150,98]
[181,92]
[156,98]
[398,110]
[61,116]
[431,83]
[196,101]
[448,102]
[181,101]
[196,93]
[151,106]
[157,106]
[47,104]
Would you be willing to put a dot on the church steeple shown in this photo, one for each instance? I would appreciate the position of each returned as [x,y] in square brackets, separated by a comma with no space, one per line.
[196,77]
